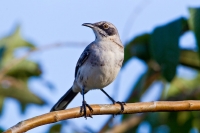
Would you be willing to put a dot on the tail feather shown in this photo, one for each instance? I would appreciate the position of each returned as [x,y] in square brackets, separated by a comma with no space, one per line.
[64,100]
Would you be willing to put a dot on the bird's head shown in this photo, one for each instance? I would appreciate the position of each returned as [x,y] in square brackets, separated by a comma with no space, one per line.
[104,30]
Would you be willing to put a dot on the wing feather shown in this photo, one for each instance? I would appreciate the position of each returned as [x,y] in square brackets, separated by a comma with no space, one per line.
[84,56]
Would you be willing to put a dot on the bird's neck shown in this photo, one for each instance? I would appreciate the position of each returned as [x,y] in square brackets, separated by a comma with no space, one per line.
[109,39]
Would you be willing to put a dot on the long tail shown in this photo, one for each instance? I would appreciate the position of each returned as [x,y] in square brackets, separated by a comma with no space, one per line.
[64,100]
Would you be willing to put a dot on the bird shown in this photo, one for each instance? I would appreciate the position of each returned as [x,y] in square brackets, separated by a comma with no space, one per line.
[97,67]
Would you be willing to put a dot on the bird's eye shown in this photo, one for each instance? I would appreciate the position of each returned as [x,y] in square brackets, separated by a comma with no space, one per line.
[105,26]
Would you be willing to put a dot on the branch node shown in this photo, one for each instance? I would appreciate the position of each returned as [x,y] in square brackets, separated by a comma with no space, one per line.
[56,117]
[190,105]
[155,104]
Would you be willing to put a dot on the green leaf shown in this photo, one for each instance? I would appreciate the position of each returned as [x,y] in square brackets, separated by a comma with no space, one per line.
[2,50]
[11,43]
[137,47]
[1,130]
[14,82]
[24,70]
[194,24]
[176,121]
[1,103]
[164,46]
[15,40]
[176,126]
[189,58]
[56,128]
[23,95]
[182,89]
[183,117]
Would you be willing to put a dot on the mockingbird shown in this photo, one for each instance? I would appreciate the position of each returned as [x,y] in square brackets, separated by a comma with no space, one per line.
[97,66]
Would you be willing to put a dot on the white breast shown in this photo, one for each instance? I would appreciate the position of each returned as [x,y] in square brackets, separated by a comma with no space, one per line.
[102,66]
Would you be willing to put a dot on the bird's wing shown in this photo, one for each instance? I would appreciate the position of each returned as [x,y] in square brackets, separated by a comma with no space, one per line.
[84,56]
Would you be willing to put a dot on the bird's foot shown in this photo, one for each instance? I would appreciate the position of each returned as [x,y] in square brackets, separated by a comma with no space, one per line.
[122,107]
[83,109]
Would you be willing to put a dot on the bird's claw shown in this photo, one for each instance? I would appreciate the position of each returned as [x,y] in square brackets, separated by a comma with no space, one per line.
[83,109]
[122,107]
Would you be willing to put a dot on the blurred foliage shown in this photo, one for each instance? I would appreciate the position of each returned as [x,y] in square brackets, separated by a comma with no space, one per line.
[1,130]
[161,51]
[183,89]
[164,47]
[15,72]
[55,128]
[194,24]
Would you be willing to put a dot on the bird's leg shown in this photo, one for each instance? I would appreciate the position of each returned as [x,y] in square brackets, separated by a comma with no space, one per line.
[120,103]
[84,105]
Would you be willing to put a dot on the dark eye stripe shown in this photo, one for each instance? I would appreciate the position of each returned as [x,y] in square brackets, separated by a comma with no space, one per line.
[101,26]
[110,31]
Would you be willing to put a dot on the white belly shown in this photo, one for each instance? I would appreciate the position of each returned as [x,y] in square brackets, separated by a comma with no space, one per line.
[100,69]
[97,73]
[100,76]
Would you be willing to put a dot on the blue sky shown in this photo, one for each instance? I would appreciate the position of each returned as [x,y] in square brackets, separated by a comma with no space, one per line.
[47,22]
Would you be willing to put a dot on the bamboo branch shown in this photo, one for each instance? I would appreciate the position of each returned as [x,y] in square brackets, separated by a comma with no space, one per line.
[130,108]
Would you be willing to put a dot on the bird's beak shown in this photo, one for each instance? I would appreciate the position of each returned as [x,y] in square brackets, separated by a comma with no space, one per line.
[88,25]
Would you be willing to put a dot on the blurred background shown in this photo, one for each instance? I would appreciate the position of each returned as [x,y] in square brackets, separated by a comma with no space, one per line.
[41,41]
